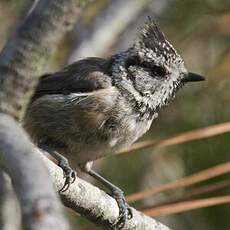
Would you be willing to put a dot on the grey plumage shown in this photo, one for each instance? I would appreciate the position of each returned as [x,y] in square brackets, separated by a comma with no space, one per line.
[96,106]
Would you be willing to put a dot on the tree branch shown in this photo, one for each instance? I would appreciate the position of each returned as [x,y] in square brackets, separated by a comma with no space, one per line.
[9,209]
[189,194]
[95,204]
[102,33]
[41,209]
[186,181]
[180,138]
[21,62]
[28,49]
[155,9]
[187,206]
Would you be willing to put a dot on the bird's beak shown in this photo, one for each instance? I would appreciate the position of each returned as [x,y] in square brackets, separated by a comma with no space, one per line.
[189,77]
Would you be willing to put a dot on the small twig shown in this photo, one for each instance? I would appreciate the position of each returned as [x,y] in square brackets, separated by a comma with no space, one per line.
[195,178]
[180,138]
[193,193]
[186,206]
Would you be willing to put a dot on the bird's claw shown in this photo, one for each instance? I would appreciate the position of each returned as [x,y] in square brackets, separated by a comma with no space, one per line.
[125,213]
[69,175]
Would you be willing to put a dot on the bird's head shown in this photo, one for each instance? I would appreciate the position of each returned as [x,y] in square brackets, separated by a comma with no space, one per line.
[153,70]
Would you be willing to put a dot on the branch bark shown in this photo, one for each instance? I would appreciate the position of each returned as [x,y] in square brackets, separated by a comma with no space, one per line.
[95,204]
[9,209]
[41,209]
[21,62]
[28,49]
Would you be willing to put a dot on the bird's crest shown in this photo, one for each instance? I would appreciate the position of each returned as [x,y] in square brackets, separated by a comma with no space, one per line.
[153,39]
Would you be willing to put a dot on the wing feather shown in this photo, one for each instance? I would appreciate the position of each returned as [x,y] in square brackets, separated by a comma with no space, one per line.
[81,77]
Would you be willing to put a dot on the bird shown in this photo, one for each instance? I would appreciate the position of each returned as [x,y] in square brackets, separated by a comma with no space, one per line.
[96,106]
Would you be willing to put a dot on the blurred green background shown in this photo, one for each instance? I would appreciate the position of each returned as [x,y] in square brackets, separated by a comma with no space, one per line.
[200,31]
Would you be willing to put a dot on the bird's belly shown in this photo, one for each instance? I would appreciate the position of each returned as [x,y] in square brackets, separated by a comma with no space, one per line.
[87,130]
[108,140]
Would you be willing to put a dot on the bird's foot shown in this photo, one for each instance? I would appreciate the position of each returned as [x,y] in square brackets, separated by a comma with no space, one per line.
[125,213]
[69,174]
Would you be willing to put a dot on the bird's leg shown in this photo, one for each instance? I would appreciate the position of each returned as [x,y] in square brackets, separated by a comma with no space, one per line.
[69,173]
[125,212]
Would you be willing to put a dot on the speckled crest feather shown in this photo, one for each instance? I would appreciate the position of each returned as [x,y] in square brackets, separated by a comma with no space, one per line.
[152,38]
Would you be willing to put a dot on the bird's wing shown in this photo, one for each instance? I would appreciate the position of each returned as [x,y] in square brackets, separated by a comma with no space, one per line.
[81,77]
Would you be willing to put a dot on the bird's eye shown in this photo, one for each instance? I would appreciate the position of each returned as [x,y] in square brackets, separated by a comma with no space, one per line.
[132,61]
[158,71]
[145,65]
[155,69]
